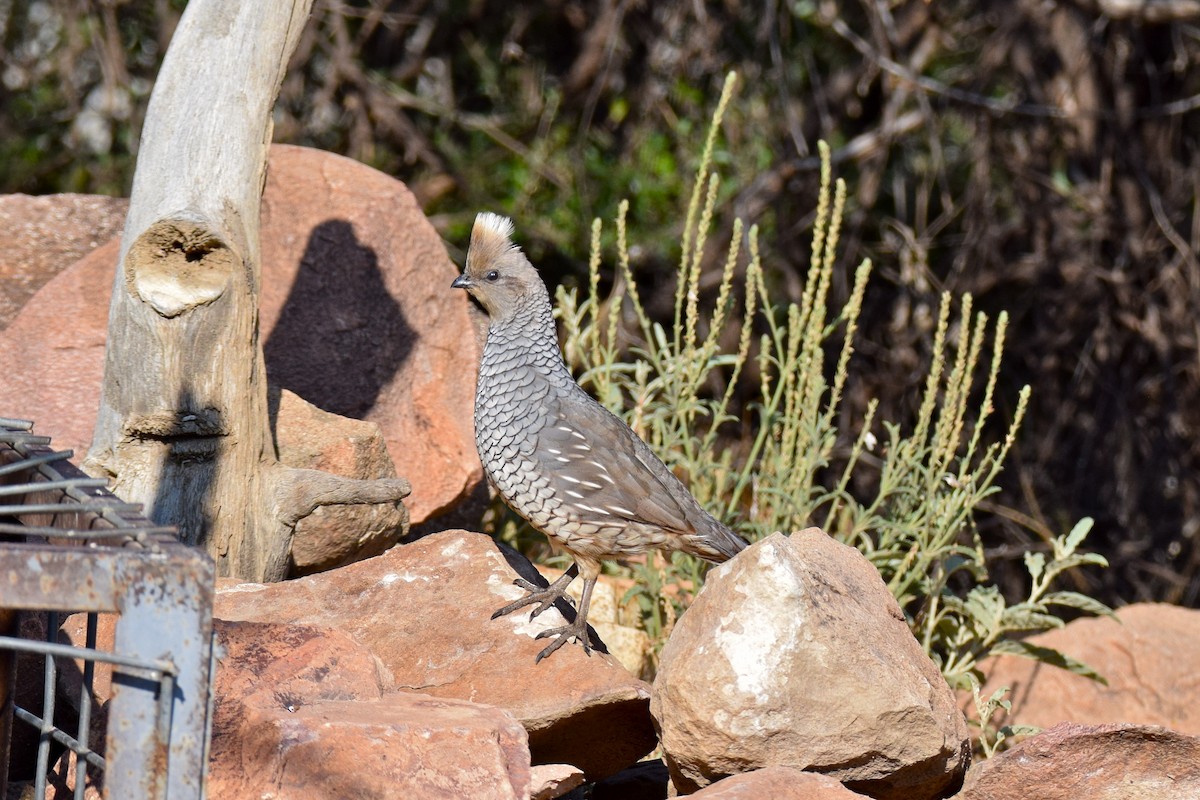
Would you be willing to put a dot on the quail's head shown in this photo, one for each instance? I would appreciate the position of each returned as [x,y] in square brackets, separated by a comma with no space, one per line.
[497,273]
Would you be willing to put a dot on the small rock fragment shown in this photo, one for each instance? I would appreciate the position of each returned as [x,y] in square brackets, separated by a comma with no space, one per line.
[777,783]
[549,781]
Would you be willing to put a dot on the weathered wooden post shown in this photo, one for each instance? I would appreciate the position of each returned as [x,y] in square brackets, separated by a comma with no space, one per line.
[183,421]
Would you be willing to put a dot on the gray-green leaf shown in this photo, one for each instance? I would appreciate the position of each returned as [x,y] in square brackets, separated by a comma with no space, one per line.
[1080,601]
[1078,533]
[1047,655]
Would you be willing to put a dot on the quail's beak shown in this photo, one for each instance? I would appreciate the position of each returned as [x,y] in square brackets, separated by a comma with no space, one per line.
[461,282]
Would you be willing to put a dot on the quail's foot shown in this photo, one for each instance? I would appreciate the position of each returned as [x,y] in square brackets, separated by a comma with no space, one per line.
[543,596]
[563,634]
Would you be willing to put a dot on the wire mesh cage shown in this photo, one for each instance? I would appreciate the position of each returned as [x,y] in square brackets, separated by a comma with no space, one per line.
[70,547]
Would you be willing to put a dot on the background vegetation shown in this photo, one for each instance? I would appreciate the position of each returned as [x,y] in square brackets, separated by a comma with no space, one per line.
[790,456]
[1040,157]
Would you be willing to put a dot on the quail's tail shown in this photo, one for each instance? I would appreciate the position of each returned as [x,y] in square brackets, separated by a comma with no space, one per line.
[718,543]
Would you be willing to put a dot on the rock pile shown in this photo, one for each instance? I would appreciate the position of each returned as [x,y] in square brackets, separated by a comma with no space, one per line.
[424,611]
[379,672]
[794,655]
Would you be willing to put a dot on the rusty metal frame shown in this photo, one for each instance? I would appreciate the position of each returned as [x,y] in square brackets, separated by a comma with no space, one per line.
[85,550]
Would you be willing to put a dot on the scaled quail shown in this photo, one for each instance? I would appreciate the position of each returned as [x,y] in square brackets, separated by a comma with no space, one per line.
[558,458]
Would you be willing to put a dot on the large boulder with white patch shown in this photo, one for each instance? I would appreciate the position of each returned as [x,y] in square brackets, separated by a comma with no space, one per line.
[796,654]
[424,609]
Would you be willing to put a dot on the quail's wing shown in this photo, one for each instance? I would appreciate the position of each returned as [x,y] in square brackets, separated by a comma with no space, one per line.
[598,465]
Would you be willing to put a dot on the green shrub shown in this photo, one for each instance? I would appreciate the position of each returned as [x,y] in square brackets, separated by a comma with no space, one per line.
[784,464]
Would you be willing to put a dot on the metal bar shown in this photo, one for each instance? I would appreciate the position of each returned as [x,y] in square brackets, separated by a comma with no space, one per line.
[138,534]
[50,577]
[211,702]
[85,706]
[166,609]
[9,622]
[47,727]
[13,437]
[131,543]
[88,755]
[16,424]
[34,461]
[66,483]
[152,670]
[70,508]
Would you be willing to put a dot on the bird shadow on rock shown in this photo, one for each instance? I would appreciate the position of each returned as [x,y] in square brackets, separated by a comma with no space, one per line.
[341,336]
[525,569]
[467,513]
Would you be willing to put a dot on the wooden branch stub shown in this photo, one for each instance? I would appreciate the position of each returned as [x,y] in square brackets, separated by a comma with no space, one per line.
[300,491]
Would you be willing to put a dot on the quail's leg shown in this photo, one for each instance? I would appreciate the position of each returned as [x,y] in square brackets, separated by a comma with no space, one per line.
[545,597]
[576,630]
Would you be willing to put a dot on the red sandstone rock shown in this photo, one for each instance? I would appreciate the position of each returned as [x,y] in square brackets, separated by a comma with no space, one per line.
[554,780]
[425,610]
[290,665]
[777,783]
[45,235]
[356,317]
[308,438]
[796,654]
[304,712]
[401,747]
[359,319]
[1149,659]
[1104,762]
[279,664]
[63,365]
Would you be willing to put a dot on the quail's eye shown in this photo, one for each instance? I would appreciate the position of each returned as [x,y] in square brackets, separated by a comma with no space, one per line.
[492,275]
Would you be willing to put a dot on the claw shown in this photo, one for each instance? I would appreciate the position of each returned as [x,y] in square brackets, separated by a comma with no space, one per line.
[545,597]
[528,586]
[577,630]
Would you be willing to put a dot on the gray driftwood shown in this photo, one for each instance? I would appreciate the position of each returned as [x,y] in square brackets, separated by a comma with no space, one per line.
[183,423]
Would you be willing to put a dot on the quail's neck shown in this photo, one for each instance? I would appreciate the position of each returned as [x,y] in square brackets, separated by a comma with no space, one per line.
[530,329]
